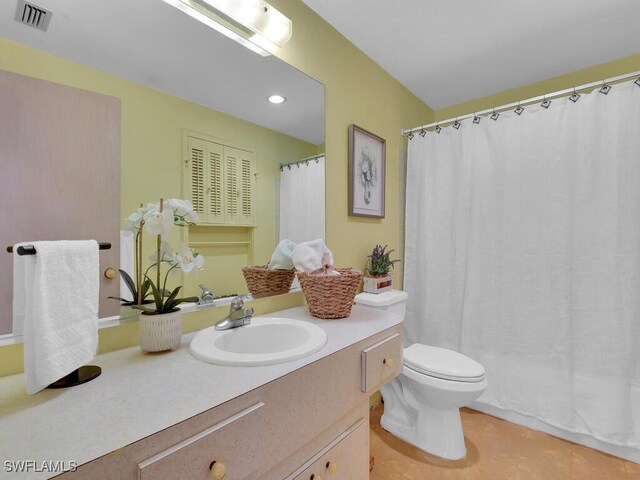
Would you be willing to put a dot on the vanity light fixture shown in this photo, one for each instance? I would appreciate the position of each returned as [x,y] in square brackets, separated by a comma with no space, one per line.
[252,23]
[276,99]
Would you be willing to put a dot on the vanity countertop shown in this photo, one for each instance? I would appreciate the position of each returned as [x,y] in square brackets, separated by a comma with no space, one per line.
[140,394]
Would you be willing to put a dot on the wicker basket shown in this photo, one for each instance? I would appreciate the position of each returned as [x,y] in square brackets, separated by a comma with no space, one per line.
[263,282]
[330,296]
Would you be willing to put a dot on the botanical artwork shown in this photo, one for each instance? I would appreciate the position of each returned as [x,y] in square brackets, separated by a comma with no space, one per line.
[366,173]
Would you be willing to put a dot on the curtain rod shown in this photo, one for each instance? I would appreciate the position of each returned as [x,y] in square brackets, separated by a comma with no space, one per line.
[529,101]
[308,159]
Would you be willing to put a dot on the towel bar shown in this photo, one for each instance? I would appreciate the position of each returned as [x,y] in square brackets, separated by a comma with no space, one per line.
[31,250]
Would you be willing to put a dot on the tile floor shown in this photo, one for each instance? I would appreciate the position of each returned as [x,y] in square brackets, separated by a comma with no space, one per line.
[496,450]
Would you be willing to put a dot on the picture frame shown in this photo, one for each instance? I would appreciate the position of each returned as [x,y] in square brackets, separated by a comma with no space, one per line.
[367,163]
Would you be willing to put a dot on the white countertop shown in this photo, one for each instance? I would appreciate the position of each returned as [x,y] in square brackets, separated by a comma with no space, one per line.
[140,394]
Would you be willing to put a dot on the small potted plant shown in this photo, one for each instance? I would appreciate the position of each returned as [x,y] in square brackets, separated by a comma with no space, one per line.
[160,320]
[378,278]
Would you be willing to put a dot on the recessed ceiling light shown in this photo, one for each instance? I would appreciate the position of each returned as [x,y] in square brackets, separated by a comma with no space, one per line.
[276,99]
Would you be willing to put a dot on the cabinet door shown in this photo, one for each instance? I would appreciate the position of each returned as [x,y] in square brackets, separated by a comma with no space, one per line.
[345,458]
[194,179]
[238,177]
[215,176]
[204,179]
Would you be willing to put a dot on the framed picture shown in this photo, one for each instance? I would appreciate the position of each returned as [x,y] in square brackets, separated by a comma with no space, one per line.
[367,154]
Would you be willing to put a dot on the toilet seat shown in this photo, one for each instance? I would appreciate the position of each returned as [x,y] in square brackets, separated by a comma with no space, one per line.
[442,363]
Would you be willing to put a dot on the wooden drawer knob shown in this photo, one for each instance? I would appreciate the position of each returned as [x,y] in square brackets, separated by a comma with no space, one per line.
[388,362]
[332,467]
[110,273]
[218,470]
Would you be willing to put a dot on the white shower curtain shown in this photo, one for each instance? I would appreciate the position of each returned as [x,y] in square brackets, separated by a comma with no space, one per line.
[302,205]
[523,252]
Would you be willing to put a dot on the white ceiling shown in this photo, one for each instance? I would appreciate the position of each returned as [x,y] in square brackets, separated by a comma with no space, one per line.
[151,42]
[449,52]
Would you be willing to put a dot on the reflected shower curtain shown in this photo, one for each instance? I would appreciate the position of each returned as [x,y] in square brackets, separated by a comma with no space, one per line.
[302,206]
[523,252]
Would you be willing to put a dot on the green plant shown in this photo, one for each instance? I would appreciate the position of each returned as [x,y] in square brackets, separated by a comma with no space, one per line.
[378,262]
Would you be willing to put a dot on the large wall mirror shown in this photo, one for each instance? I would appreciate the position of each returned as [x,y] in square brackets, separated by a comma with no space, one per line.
[177,79]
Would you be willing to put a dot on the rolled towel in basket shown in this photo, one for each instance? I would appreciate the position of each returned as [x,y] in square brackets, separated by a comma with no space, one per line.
[281,257]
[314,257]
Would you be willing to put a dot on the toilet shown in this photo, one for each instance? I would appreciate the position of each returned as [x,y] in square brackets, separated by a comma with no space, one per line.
[421,405]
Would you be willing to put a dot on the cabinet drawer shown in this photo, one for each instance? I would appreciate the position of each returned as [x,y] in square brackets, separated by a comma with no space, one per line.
[345,458]
[381,362]
[224,442]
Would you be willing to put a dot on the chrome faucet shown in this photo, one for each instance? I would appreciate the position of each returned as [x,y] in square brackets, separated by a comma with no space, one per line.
[238,315]
[206,298]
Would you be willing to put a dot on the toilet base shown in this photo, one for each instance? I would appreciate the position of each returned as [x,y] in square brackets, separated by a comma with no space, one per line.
[436,431]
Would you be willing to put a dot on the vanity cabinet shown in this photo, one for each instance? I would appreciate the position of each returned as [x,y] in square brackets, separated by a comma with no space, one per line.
[219,181]
[311,421]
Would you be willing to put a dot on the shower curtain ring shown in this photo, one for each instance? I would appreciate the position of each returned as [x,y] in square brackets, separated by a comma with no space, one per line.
[545,103]
[456,124]
[476,119]
[605,88]
[574,96]
[519,109]
[438,129]
[494,115]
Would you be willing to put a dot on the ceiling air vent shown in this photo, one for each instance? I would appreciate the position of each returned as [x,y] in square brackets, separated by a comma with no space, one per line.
[33,16]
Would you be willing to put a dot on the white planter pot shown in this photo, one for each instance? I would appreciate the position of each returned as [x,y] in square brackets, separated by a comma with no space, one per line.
[160,332]
[377,284]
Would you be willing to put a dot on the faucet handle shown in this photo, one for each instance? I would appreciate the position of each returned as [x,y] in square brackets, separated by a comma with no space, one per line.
[238,302]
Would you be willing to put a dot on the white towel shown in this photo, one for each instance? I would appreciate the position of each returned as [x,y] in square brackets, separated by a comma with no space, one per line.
[55,306]
[313,257]
[281,257]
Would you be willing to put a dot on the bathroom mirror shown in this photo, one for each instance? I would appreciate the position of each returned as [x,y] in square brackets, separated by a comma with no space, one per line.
[174,77]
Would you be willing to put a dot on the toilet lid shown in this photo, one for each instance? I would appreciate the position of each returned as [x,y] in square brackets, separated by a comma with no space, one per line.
[442,363]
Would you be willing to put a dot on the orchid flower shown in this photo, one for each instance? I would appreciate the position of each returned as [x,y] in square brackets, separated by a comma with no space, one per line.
[157,222]
[188,260]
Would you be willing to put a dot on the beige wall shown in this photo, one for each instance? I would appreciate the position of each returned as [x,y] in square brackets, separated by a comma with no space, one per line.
[572,79]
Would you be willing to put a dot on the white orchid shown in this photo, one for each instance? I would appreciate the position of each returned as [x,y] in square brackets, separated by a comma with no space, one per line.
[188,260]
[157,222]
[132,222]
[180,207]
[183,211]
[167,254]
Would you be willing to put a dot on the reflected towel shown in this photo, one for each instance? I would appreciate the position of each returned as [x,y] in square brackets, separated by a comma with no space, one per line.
[55,306]
[281,258]
[313,257]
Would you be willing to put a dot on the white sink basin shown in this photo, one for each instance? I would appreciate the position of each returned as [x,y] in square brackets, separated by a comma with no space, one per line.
[265,341]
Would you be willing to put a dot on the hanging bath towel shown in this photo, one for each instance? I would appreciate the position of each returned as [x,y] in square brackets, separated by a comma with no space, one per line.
[55,308]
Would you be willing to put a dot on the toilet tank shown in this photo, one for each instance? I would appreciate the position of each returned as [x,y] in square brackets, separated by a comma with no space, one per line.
[394,301]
